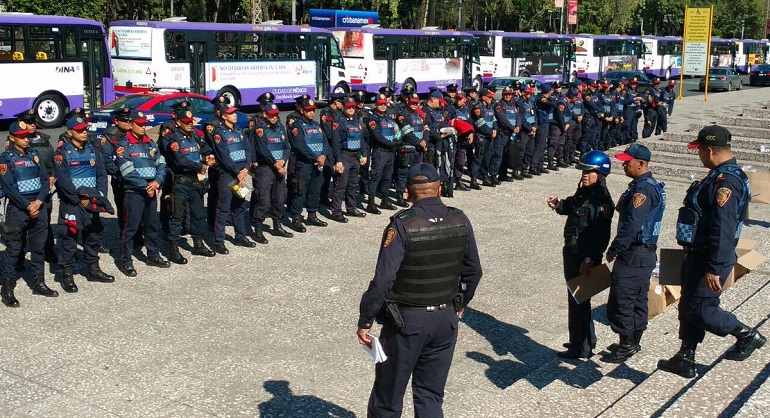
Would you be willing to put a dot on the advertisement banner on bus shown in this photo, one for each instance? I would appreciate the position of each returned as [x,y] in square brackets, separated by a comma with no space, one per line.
[291,76]
[131,42]
[328,18]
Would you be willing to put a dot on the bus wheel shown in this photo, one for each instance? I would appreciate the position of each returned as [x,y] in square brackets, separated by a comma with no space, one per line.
[342,88]
[409,82]
[524,74]
[232,94]
[50,111]
[668,74]
[478,83]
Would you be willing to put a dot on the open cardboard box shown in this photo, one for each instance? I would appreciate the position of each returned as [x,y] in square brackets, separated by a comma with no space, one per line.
[660,297]
[584,287]
[760,186]
[671,263]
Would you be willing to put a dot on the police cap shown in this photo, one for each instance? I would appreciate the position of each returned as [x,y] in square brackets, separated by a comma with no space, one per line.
[76,123]
[28,116]
[422,170]
[387,91]
[183,114]
[451,88]
[715,135]
[19,129]
[123,115]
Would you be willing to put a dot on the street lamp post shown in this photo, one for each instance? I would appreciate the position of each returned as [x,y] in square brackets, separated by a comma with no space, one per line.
[742,27]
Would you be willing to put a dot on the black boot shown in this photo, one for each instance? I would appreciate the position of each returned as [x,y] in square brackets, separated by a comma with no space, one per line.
[199,248]
[683,362]
[158,261]
[400,201]
[534,172]
[174,255]
[259,237]
[552,166]
[386,204]
[749,340]
[625,349]
[6,292]
[495,180]
[312,219]
[40,288]
[67,281]
[371,207]
[475,184]
[525,174]
[296,224]
[487,181]
[279,231]
[95,274]
[461,186]
[356,213]
[638,339]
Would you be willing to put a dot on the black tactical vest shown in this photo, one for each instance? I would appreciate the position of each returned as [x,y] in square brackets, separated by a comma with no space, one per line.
[430,272]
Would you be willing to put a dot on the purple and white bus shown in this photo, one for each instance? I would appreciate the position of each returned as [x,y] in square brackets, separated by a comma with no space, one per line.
[662,56]
[240,61]
[748,53]
[723,52]
[421,58]
[52,64]
[542,56]
[597,54]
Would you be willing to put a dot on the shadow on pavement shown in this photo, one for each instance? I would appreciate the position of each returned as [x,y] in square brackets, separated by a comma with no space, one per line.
[286,404]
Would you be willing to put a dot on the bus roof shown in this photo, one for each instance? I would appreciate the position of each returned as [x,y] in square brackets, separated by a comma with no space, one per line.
[233,27]
[608,37]
[522,34]
[412,32]
[32,19]
[663,38]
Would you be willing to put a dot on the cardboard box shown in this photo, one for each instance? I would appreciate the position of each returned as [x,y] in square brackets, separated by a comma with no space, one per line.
[671,263]
[760,186]
[660,297]
[584,287]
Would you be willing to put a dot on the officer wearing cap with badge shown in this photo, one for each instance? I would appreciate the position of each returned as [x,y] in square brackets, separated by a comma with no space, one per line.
[485,125]
[81,183]
[264,99]
[507,115]
[41,143]
[586,235]
[526,142]
[575,132]
[413,144]
[632,111]
[220,104]
[328,117]
[169,127]
[310,150]
[442,143]
[427,271]
[271,153]
[380,133]
[460,111]
[233,160]
[25,182]
[121,124]
[143,170]
[79,112]
[633,251]
[708,227]
[350,151]
[472,96]
[188,158]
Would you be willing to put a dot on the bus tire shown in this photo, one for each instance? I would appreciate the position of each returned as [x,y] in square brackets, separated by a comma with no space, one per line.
[409,82]
[668,73]
[231,93]
[50,110]
[524,74]
[341,87]
[478,83]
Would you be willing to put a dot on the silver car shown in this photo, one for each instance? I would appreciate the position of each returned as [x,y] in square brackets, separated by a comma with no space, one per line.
[724,78]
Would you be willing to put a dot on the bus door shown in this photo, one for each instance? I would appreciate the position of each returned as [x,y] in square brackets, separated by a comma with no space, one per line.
[197,67]
[467,54]
[97,83]
[322,55]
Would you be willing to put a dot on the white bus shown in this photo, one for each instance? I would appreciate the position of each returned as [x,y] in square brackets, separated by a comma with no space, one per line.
[542,56]
[236,60]
[422,59]
[597,54]
[51,64]
[662,56]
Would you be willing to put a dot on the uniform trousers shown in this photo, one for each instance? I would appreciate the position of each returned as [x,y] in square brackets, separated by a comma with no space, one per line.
[269,195]
[35,230]
[140,209]
[627,302]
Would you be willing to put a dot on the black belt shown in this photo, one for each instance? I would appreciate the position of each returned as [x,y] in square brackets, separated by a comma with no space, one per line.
[429,308]
[351,152]
[185,179]
[643,248]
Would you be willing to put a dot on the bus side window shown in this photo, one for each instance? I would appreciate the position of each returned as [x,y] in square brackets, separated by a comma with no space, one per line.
[11,43]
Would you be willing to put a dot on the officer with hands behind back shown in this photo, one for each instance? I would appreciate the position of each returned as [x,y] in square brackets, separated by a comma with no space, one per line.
[586,236]
[708,228]
[422,295]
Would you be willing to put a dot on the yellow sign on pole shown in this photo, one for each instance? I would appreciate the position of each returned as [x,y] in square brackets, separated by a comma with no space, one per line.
[696,45]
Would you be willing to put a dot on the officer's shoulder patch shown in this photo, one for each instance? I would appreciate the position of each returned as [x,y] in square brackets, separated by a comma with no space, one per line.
[477,111]
[217,138]
[294,131]
[372,124]
[723,195]
[209,129]
[400,118]
[389,235]
[58,159]
[290,121]
[323,118]
[36,159]
[498,108]
[638,199]
[335,125]
[104,140]
[175,146]
[3,169]
[120,151]
[260,132]
[92,162]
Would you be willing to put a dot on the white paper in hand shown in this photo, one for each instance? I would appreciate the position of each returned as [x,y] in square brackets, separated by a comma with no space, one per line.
[378,355]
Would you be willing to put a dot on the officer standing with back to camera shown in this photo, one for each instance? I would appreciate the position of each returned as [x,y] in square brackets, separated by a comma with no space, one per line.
[25,184]
[188,159]
[586,235]
[41,143]
[81,183]
[423,297]
[143,170]
[271,154]
[708,227]
[633,250]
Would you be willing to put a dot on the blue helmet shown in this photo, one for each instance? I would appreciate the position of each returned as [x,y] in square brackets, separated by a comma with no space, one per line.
[595,161]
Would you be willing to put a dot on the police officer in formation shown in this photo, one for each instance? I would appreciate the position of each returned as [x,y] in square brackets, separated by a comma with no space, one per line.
[528,132]
[459,110]
[121,124]
[413,143]
[271,154]
[633,251]
[420,321]
[310,151]
[667,96]
[708,227]
[81,184]
[485,125]
[25,183]
[440,140]
[586,235]
[350,151]
[142,173]
[633,102]
[381,132]
[188,158]
[509,125]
